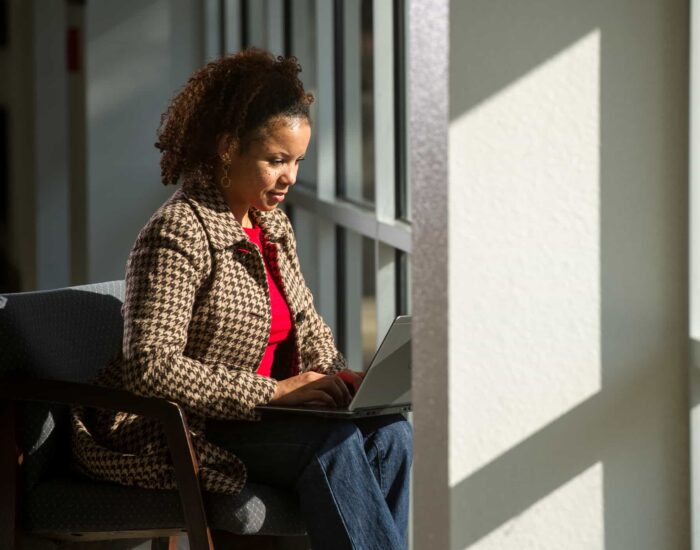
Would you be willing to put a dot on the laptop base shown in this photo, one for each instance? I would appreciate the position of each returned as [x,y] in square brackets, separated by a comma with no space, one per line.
[327,412]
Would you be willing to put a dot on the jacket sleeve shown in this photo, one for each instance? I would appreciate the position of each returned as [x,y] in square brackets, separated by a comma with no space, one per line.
[168,264]
[316,344]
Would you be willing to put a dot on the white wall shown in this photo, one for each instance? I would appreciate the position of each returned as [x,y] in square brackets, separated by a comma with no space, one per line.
[568,275]
[139,52]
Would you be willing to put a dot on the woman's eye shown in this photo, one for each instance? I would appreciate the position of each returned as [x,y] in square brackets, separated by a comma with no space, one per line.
[277,161]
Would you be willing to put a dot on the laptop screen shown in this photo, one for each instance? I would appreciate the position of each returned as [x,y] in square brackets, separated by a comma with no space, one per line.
[388,378]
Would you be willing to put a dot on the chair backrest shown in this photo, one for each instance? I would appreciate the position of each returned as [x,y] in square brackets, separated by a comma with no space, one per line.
[64,334]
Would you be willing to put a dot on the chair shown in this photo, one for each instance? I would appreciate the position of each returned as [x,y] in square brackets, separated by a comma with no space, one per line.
[51,344]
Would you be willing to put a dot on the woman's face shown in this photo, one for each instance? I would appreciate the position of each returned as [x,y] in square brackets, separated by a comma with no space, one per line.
[262,174]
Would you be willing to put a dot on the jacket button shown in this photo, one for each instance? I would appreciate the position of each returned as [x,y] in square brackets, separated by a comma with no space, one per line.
[300,317]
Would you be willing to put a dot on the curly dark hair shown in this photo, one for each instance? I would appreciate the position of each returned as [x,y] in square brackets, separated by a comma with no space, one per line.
[239,95]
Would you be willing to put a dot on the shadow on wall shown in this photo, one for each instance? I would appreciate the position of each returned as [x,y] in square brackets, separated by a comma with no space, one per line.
[634,428]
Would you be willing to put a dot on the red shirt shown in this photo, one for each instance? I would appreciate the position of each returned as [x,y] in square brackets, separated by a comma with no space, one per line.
[281,325]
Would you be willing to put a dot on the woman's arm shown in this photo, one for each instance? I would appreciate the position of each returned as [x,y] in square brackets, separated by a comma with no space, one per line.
[167,265]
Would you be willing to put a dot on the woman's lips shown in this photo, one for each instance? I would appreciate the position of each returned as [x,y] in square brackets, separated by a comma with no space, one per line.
[278,197]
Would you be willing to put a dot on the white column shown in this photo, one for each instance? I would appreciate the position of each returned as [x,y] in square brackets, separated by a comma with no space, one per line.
[133,69]
[427,128]
[51,159]
[694,248]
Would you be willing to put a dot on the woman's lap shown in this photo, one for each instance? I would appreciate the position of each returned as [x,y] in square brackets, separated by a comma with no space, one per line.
[352,477]
[277,449]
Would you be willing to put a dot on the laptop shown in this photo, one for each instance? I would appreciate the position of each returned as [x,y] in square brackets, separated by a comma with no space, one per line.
[386,387]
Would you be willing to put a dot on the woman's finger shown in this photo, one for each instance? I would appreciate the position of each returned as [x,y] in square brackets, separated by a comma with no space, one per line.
[350,378]
[342,391]
[321,396]
[331,386]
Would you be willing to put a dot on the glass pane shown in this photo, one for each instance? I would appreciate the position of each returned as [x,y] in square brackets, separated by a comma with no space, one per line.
[403,283]
[233,26]
[304,223]
[302,45]
[367,87]
[403,191]
[274,26]
[354,88]
[369,303]
[256,31]
[357,303]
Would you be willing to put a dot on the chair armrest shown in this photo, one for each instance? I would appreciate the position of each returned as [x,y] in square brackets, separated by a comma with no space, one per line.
[76,393]
[169,413]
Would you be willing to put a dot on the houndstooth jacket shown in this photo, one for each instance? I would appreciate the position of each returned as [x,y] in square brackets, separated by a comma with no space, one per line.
[196,325]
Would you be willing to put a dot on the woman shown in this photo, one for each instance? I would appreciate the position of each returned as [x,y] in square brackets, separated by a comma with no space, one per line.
[217,317]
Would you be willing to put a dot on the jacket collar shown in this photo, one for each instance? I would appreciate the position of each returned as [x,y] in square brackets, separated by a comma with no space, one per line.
[219,222]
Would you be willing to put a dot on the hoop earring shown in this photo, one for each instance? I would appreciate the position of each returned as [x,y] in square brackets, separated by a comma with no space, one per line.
[225,180]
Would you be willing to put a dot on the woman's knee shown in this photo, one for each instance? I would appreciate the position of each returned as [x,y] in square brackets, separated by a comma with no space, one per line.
[404,432]
[397,438]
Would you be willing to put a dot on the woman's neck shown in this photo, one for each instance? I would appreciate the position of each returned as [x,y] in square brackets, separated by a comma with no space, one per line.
[244,218]
[238,208]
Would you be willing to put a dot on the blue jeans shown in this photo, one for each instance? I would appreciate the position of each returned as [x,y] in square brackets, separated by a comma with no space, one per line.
[352,477]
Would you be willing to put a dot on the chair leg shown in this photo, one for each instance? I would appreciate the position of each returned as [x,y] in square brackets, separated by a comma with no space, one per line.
[163,543]
[224,540]
[8,475]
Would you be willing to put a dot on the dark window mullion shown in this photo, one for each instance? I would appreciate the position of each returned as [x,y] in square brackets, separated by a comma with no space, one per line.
[400,108]
[400,271]
[340,290]
[339,54]
[245,35]
[287,28]
[222,28]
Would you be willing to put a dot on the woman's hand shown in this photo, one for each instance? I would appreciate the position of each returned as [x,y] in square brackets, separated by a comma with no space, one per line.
[313,387]
[352,379]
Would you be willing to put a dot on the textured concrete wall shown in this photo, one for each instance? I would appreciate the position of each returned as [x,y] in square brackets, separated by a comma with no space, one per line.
[568,274]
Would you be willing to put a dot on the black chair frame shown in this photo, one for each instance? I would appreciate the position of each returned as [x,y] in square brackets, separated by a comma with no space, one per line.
[168,413]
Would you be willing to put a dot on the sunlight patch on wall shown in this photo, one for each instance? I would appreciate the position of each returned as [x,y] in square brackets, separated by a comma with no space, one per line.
[547,523]
[524,256]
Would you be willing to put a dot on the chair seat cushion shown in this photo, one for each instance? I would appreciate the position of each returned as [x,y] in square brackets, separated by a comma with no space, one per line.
[99,507]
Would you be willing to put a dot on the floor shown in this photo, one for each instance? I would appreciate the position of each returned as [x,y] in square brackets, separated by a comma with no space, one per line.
[223,541]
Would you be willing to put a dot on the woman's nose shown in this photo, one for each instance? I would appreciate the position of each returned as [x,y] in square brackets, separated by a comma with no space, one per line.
[290,175]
